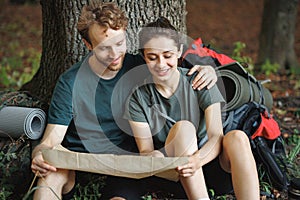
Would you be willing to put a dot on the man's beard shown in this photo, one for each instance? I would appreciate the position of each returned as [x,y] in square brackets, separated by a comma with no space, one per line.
[112,67]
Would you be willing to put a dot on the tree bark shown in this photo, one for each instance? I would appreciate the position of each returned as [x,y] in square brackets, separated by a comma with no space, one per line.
[62,45]
[143,11]
[278,34]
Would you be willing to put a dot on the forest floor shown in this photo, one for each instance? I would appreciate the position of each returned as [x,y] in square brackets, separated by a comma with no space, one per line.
[219,23]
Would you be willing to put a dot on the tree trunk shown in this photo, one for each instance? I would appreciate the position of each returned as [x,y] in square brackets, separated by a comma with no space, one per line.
[62,45]
[278,33]
[143,11]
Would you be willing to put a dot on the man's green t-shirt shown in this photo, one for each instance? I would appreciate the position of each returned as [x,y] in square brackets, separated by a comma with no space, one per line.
[146,104]
[92,108]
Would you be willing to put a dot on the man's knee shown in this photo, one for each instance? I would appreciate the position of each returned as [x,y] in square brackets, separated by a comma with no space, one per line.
[117,198]
[69,181]
[62,175]
[55,184]
[58,179]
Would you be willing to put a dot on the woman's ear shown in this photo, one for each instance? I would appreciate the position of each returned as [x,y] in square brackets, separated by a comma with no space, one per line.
[180,50]
[87,44]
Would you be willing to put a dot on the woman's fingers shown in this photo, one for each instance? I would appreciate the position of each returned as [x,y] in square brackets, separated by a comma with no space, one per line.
[186,170]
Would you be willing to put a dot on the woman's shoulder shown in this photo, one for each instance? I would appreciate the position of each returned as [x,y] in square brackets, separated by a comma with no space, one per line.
[184,73]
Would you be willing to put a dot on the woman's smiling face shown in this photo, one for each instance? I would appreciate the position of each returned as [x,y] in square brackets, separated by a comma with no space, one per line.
[161,55]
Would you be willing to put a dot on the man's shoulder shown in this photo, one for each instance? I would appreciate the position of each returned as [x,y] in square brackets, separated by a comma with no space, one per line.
[69,75]
[72,71]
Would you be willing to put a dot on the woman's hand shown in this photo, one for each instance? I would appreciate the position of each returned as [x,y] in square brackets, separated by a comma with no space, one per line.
[191,167]
[40,167]
[206,76]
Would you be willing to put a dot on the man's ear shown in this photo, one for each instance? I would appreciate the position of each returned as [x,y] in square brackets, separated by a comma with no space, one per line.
[87,44]
[180,50]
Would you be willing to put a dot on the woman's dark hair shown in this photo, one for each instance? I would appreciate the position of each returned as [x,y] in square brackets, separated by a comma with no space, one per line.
[160,27]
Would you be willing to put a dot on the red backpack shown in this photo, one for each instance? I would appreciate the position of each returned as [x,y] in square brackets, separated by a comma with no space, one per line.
[198,53]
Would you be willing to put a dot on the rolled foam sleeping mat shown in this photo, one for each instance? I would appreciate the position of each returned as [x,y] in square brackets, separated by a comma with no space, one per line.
[15,121]
[237,90]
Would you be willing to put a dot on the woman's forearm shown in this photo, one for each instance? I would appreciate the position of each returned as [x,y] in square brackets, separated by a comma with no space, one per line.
[210,150]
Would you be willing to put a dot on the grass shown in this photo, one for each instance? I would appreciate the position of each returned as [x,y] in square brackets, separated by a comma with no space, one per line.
[18,69]
[20,44]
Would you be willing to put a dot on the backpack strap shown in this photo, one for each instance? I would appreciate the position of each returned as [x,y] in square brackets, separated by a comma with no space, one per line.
[153,104]
[274,164]
[250,87]
[261,95]
[164,115]
[227,124]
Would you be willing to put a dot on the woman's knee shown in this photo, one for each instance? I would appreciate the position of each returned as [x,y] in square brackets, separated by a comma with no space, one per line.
[182,135]
[182,130]
[236,139]
[235,144]
[183,126]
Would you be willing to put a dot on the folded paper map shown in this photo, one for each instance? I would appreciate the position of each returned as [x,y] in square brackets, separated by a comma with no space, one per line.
[131,166]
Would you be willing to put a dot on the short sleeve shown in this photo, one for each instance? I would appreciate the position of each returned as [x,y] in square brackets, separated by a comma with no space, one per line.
[210,96]
[134,108]
[60,110]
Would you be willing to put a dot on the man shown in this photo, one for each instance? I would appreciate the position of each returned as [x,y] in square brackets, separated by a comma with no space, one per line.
[82,114]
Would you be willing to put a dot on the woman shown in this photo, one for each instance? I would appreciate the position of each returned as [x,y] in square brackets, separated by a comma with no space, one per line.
[168,118]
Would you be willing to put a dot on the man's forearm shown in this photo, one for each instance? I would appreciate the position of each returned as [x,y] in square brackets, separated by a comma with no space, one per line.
[38,149]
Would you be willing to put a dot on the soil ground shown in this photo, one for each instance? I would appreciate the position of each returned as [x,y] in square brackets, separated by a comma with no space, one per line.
[219,23]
